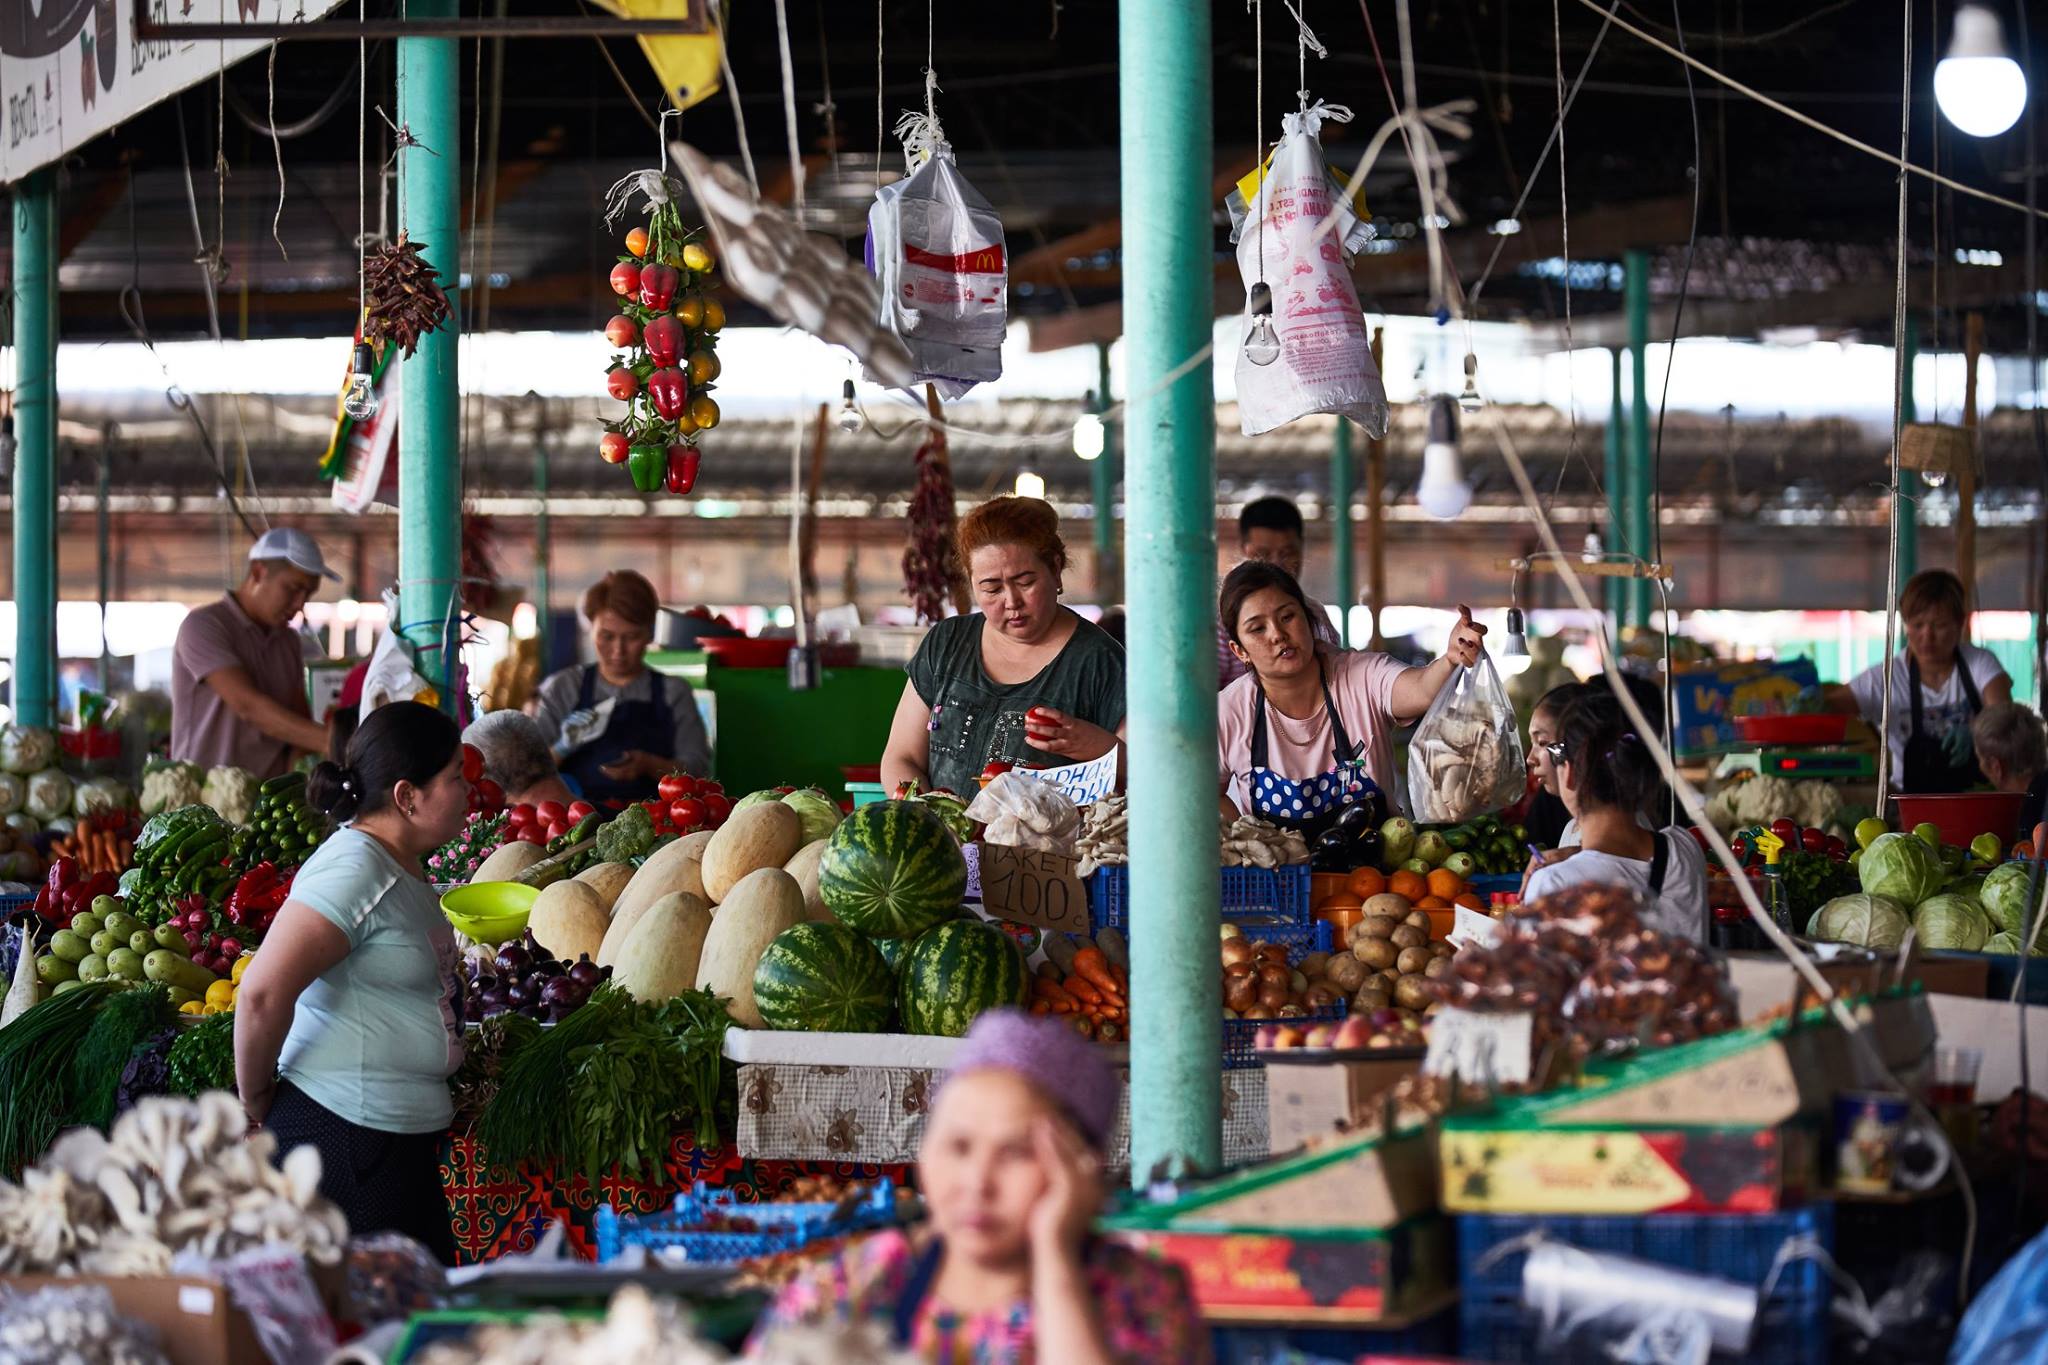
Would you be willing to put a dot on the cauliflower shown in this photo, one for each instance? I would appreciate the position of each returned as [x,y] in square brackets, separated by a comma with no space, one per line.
[170,786]
[1762,800]
[231,792]
[1721,810]
[1816,804]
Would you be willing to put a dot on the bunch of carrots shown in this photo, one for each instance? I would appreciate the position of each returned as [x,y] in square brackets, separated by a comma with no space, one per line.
[1088,982]
[99,843]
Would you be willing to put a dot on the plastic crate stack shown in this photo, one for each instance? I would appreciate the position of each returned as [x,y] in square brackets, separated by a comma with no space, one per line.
[1254,898]
[775,1227]
[1792,1321]
[1240,1034]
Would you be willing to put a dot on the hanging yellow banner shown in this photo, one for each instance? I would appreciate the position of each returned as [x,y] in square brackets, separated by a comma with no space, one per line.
[687,67]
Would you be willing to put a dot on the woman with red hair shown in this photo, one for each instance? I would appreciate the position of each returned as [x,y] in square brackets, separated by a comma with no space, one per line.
[1023,681]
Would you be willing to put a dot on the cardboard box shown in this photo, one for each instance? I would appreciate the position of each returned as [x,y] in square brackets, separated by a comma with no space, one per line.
[1495,1167]
[195,1321]
[1764,982]
[1327,1279]
[1310,1100]
[1363,1183]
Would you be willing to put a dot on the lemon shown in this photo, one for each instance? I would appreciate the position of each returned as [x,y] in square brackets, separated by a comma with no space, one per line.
[192,1007]
[241,965]
[696,258]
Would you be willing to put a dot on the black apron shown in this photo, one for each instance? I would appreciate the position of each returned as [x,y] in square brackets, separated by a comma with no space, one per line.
[1928,768]
[1660,863]
[1313,804]
[649,726]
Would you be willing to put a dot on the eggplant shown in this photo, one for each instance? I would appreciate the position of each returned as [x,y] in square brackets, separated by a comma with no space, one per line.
[1331,852]
[1369,848]
[1356,821]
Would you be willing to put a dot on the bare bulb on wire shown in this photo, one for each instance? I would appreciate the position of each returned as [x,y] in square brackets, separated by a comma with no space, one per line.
[360,401]
[1470,400]
[849,420]
[1934,478]
[1261,342]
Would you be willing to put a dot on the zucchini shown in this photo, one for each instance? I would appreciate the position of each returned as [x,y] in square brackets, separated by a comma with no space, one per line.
[169,936]
[173,969]
[53,969]
[69,947]
[126,963]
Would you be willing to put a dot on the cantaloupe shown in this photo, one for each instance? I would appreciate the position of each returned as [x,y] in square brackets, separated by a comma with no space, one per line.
[508,862]
[659,959]
[759,907]
[672,867]
[760,836]
[569,920]
[804,867]
[608,880]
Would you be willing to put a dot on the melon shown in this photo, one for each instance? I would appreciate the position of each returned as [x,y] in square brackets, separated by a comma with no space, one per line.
[893,870]
[672,867]
[824,978]
[954,972]
[608,880]
[569,920]
[759,837]
[660,957]
[759,907]
[508,862]
[804,867]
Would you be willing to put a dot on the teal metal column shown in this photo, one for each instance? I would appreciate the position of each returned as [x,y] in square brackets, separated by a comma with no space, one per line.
[1343,476]
[35,456]
[1642,540]
[1617,501]
[429,454]
[1102,477]
[1909,482]
[1170,542]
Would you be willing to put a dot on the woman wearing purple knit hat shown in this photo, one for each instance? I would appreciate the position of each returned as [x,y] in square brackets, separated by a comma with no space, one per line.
[1006,1271]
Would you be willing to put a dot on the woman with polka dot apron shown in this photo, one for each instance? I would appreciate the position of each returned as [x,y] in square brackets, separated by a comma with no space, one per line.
[1303,735]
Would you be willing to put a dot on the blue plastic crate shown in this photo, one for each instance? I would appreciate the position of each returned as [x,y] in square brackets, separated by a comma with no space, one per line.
[1489,884]
[778,1226]
[1258,897]
[1791,1327]
[1239,1054]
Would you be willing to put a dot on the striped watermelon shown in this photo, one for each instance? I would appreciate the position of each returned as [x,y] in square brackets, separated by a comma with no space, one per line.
[893,951]
[893,870]
[953,973]
[824,978]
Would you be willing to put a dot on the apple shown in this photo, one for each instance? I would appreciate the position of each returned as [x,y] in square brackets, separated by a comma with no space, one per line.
[1379,1040]
[1353,1032]
[1286,1038]
[1321,1035]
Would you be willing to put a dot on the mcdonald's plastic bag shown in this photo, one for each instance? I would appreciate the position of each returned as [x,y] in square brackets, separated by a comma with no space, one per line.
[1466,757]
[1295,238]
[936,248]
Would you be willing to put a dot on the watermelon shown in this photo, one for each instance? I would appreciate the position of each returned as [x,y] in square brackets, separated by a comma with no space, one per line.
[824,978]
[893,951]
[954,972]
[892,870]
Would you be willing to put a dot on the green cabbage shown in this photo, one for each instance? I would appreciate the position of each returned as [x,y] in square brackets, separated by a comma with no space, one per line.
[1901,867]
[2005,895]
[817,810]
[1870,921]
[2009,945]
[101,795]
[1951,922]
[759,798]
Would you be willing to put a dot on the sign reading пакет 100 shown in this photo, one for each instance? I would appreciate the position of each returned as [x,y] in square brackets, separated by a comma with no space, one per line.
[1033,886]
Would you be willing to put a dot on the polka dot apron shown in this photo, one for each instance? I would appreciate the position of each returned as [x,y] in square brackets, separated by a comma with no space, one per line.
[1313,804]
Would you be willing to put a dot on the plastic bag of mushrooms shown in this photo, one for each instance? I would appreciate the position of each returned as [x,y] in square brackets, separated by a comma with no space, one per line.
[1466,757]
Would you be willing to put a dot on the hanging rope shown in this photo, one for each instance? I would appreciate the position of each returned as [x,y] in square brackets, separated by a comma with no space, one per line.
[732,90]
[881,116]
[1899,381]
[277,150]
[796,156]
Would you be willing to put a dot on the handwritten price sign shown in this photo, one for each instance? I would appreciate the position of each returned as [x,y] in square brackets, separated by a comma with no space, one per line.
[1033,886]
[1084,783]
[1487,1049]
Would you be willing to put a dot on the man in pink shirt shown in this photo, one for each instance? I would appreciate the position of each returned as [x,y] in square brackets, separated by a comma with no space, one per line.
[238,673]
[1271,531]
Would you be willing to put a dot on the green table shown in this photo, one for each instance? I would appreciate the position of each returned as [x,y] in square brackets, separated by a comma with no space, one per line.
[764,735]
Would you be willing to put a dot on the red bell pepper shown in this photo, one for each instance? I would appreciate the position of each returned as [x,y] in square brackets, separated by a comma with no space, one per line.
[669,391]
[658,284]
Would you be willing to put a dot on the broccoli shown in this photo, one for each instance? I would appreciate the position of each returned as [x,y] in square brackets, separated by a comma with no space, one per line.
[630,835]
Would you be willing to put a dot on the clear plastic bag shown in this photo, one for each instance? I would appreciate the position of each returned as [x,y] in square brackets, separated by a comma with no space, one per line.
[936,247]
[1325,364]
[72,1325]
[1466,757]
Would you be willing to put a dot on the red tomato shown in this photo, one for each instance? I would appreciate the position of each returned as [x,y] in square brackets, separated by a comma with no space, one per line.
[472,763]
[688,813]
[1813,841]
[718,807]
[621,384]
[580,810]
[550,812]
[625,278]
[493,794]
[676,786]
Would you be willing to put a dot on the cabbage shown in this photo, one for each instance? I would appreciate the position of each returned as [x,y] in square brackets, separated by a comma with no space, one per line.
[1970,887]
[1951,922]
[817,810]
[13,791]
[49,795]
[26,749]
[1902,868]
[2005,895]
[2009,945]
[759,798]
[1871,921]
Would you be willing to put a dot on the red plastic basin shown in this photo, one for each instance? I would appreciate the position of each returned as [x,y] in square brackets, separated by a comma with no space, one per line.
[1964,816]
[1808,729]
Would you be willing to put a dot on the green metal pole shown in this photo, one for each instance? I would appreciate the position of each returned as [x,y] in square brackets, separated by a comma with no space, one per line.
[1103,481]
[1617,501]
[1342,479]
[1642,540]
[35,457]
[1170,540]
[429,454]
[1909,482]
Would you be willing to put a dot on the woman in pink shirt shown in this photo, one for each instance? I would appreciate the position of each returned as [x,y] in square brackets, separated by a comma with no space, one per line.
[1302,734]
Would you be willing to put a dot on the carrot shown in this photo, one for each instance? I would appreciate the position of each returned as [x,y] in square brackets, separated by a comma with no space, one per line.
[1041,1007]
[1050,991]
[1091,964]
[1082,989]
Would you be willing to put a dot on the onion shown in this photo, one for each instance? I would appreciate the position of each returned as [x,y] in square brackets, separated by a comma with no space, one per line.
[586,973]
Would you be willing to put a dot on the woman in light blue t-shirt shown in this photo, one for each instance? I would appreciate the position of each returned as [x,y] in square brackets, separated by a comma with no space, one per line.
[348,1022]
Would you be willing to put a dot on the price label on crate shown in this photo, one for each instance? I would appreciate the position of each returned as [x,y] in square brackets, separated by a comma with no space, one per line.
[1033,886]
[1486,1049]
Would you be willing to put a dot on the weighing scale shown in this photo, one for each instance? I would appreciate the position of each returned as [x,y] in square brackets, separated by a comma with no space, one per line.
[1826,762]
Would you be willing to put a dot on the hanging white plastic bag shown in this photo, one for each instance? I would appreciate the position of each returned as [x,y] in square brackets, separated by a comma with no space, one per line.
[1466,757]
[1287,242]
[936,247]
[391,675]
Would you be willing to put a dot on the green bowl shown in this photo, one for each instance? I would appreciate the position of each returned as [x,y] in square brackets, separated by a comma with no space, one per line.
[490,912]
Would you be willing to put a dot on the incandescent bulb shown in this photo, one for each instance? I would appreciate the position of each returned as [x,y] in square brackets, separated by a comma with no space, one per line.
[1029,485]
[1443,492]
[1088,436]
[1261,342]
[360,400]
[849,420]
[1934,478]
[1980,88]
[1469,400]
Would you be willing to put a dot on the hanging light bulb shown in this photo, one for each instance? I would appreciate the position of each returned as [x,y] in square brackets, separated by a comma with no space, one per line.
[1470,400]
[1029,485]
[1261,342]
[1517,646]
[360,402]
[1444,492]
[1089,440]
[849,420]
[1934,478]
[1980,88]
[1589,551]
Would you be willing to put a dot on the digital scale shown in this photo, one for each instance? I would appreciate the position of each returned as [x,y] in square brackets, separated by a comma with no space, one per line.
[1833,763]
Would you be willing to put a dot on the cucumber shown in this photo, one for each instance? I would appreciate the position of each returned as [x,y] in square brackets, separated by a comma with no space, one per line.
[85,924]
[94,968]
[53,969]
[105,941]
[169,937]
[70,947]
[126,963]
[174,970]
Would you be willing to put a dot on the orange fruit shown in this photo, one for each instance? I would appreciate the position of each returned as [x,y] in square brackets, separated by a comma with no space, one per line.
[1367,882]
[1445,884]
[1408,884]
[1432,903]
[714,315]
[704,411]
[636,241]
[1470,900]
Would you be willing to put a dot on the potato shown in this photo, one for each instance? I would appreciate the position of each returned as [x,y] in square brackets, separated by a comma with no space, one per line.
[1370,1000]
[1418,918]
[1412,961]
[1375,952]
[1408,936]
[1437,966]
[1376,926]
[1322,996]
[1387,905]
[1442,949]
[1378,981]
[1297,982]
[1413,993]
[1345,972]
[1314,965]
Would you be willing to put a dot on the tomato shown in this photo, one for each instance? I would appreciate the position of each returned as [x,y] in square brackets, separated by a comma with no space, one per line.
[718,807]
[688,813]
[1838,849]
[472,763]
[625,278]
[622,384]
[676,786]
[581,810]
[550,812]
[704,411]
[636,241]
[492,793]
[613,446]
[556,829]
[1814,841]
[622,331]
[996,768]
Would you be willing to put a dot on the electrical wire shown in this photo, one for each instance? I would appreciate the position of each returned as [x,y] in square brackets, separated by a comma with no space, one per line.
[1692,237]
[1899,380]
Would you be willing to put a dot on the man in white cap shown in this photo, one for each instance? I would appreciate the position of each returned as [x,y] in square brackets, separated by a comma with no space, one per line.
[238,676]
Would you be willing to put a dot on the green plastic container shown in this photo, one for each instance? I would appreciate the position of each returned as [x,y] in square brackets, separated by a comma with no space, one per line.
[866,793]
[490,912]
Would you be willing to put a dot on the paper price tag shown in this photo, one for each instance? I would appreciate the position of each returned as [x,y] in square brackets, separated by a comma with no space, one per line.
[1033,886]
[1472,926]
[1084,783]
[1486,1049]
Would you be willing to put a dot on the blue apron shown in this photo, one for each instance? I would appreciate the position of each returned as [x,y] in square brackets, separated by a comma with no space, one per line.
[645,725]
[1313,804]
